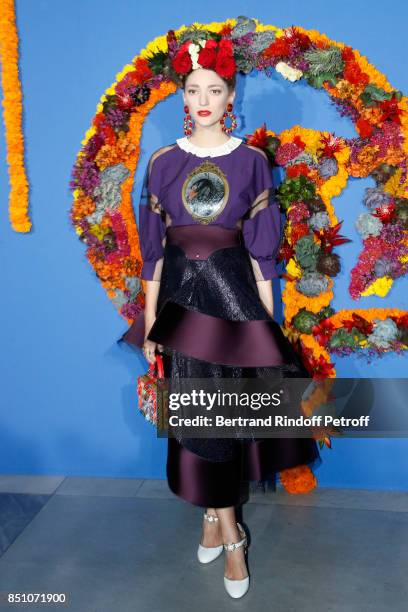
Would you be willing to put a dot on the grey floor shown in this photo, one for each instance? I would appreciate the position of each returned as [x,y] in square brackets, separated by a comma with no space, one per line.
[130,545]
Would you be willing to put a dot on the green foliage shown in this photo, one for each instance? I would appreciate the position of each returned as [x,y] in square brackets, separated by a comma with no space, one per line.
[373,94]
[306,251]
[343,338]
[304,321]
[298,189]
[324,65]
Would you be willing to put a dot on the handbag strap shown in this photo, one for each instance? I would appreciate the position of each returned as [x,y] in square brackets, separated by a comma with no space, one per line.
[157,365]
[160,368]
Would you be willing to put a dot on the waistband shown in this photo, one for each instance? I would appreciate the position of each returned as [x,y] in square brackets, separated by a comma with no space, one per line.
[199,241]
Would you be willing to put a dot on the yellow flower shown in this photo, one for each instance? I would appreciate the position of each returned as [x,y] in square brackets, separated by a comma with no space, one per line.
[293,269]
[98,231]
[380,287]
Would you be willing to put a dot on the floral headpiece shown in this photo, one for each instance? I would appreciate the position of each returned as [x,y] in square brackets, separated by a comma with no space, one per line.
[232,49]
[210,54]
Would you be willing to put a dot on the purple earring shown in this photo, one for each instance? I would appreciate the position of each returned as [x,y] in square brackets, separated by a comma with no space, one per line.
[232,116]
[188,123]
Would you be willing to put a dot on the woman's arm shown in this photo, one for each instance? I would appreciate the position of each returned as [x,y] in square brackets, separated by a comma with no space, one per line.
[152,294]
[265,293]
[264,286]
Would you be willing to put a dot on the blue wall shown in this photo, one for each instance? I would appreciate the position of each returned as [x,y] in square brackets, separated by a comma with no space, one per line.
[68,390]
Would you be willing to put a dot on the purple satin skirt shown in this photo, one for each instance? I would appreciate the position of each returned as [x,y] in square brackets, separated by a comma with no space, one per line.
[212,323]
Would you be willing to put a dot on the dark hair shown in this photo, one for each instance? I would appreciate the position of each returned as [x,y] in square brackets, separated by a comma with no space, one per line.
[230,83]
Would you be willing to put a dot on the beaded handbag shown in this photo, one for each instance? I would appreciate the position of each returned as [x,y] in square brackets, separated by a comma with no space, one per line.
[147,389]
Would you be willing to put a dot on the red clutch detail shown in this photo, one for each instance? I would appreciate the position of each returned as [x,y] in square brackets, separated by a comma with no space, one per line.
[147,389]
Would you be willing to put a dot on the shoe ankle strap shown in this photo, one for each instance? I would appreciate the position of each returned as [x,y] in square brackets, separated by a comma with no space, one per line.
[234,545]
[211,518]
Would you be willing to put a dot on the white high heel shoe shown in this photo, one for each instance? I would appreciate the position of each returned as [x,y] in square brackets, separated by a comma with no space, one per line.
[237,588]
[206,554]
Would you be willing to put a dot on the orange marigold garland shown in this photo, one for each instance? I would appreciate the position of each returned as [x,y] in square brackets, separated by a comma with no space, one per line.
[12,113]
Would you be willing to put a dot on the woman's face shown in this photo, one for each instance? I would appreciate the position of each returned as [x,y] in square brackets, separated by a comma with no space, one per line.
[206,96]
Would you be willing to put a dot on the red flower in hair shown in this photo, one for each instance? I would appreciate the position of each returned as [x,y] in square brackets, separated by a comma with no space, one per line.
[225,64]
[182,62]
[225,43]
[207,57]
[210,44]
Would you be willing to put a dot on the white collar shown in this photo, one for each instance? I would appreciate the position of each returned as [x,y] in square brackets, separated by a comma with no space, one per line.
[223,149]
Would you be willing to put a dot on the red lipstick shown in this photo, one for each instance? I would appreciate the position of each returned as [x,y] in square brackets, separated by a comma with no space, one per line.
[204,113]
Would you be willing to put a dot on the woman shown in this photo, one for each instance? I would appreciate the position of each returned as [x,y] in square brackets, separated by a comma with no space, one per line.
[209,236]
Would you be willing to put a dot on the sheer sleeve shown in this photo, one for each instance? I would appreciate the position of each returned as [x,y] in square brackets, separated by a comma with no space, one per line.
[152,226]
[261,226]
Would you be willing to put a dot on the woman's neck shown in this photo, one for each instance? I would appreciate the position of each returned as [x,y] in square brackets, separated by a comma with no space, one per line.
[207,140]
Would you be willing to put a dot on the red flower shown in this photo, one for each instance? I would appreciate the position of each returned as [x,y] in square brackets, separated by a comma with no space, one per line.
[207,57]
[364,128]
[390,110]
[331,145]
[124,100]
[329,237]
[226,44]
[347,54]
[225,64]
[364,326]
[298,170]
[104,130]
[285,251]
[318,368]
[225,30]
[210,44]
[171,37]
[297,39]
[279,48]
[299,230]
[182,62]
[323,331]
[401,321]
[386,212]
[354,74]
[259,138]
[142,71]
[299,142]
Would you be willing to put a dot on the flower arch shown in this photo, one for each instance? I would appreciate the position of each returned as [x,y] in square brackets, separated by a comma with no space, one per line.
[317,166]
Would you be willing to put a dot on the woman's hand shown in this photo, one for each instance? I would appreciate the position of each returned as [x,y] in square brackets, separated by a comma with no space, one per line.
[149,350]
[149,346]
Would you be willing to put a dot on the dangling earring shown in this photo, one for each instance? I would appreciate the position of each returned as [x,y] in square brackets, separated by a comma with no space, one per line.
[232,116]
[188,123]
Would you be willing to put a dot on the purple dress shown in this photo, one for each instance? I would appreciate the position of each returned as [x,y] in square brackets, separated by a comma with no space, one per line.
[210,318]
